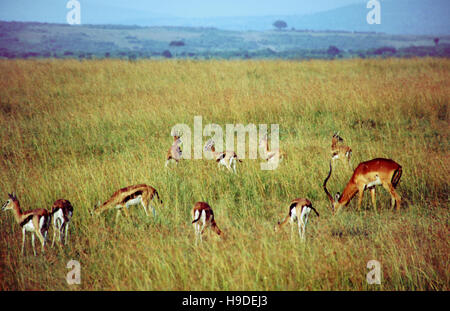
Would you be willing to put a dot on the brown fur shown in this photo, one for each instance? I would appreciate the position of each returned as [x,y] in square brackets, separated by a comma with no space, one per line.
[298,204]
[23,217]
[209,220]
[386,170]
[121,196]
[342,150]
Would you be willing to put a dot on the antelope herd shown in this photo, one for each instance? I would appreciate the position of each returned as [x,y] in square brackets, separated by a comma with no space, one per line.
[367,175]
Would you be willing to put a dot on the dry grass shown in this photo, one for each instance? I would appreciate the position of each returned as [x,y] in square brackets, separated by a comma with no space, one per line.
[82,130]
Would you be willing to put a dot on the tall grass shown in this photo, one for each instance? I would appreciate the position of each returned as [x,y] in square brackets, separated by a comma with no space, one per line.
[82,130]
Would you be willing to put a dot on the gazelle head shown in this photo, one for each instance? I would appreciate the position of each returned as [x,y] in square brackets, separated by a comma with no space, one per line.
[209,145]
[337,138]
[9,204]
[176,136]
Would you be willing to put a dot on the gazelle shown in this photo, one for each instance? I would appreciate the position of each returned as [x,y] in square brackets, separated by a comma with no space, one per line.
[128,196]
[202,213]
[62,212]
[35,221]
[225,158]
[272,155]
[299,210]
[340,151]
[175,152]
[367,175]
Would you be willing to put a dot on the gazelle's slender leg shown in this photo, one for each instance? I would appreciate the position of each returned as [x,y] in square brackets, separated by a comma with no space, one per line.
[54,233]
[144,206]
[360,197]
[23,239]
[66,234]
[373,195]
[32,243]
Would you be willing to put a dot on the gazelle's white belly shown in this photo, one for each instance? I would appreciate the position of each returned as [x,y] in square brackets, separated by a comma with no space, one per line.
[135,201]
[374,183]
[29,226]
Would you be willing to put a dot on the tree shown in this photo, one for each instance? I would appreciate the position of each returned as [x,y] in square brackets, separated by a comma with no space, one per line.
[333,51]
[436,41]
[279,24]
[167,54]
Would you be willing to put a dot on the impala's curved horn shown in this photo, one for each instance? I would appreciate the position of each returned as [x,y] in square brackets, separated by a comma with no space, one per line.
[330,197]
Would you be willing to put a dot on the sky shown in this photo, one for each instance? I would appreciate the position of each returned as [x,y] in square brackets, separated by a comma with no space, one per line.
[55,10]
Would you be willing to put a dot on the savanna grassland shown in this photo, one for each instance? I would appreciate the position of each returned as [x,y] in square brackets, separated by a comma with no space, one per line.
[82,130]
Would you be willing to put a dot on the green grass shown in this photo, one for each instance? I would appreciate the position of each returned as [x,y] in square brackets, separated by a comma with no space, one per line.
[82,130]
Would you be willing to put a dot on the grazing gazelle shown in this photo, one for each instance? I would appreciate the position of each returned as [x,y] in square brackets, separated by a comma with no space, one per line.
[132,195]
[367,175]
[202,213]
[299,210]
[272,155]
[225,158]
[340,151]
[175,152]
[35,221]
[62,212]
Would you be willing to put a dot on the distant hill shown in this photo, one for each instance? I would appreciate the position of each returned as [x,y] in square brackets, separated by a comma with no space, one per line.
[419,17]
[25,40]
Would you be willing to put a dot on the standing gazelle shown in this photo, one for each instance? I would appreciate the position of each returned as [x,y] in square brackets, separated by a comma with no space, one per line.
[340,151]
[225,158]
[367,175]
[62,212]
[272,155]
[123,198]
[299,210]
[175,152]
[202,213]
[35,221]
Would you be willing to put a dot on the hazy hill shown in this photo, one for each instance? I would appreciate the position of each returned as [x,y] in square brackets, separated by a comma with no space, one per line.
[397,17]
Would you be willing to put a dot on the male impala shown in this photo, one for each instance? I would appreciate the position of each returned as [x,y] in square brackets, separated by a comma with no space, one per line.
[299,210]
[272,155]
[62,212]
[202,213]
[340,151]
[225,158]
[35,221]
[175,152]
[123,198]
[367,175]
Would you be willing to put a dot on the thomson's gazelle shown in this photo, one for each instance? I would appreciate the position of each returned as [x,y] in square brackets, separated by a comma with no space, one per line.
[299,210]
[123,198]
[225,158]
[203,217]
[272,155]
[35,221]
[175,152]
[62,212]
[340,151]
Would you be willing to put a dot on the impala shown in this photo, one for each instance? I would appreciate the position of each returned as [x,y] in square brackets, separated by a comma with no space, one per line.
[272,155]
[128,196]
[367,175]
[175,152]
[299,210]
[225,158]
[62,212]
[35,221]
[340,151]
[202,213]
